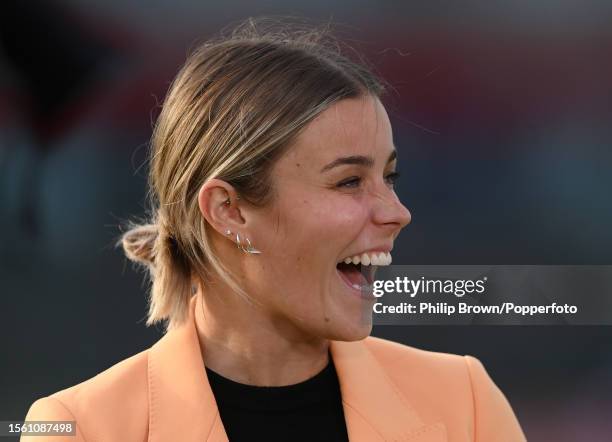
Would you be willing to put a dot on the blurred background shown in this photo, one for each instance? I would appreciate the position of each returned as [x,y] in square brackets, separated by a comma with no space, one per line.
[502,116]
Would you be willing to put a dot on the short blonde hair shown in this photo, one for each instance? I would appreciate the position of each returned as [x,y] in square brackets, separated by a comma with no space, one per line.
[230,113]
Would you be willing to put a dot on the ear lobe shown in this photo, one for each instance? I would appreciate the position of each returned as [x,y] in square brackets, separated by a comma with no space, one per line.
[213,201]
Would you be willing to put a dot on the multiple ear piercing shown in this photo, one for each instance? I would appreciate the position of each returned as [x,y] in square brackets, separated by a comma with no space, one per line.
[248,248]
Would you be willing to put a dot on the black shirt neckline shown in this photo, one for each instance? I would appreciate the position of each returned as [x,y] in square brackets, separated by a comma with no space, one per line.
[322,387]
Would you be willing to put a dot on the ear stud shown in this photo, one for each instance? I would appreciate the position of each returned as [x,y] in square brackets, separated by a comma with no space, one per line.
[228,201]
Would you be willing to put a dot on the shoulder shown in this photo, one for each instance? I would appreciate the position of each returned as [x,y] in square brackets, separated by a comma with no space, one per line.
[439,380]
[455,388]
[119,395]
[394,356]
[402,360]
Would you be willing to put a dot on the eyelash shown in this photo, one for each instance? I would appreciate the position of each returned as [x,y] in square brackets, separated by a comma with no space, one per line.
[393,176]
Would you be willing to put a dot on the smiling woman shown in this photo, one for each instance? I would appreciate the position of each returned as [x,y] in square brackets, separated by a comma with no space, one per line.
[272,204]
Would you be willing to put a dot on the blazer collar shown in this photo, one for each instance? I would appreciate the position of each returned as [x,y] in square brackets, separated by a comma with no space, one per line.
[182,405]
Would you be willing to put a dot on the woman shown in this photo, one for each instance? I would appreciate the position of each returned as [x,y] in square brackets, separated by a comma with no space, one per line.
[271,176]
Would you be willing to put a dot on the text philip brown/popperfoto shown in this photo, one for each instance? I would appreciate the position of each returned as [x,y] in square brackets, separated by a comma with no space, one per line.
[443,308]
[458,288]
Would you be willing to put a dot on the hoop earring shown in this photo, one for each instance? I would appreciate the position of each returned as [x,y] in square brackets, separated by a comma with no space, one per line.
[249,248]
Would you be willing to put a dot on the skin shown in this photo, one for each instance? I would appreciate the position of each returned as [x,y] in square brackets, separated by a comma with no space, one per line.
[315,220]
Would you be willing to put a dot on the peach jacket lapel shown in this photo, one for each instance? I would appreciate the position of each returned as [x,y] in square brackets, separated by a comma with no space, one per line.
[182,405]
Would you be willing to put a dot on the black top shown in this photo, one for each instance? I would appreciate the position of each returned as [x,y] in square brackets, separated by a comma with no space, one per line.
[307,411]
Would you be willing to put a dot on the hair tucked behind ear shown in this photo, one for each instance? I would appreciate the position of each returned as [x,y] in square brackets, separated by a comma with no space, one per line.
[231,112]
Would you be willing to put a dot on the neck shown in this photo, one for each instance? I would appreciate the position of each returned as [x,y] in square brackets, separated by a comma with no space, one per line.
[242,343]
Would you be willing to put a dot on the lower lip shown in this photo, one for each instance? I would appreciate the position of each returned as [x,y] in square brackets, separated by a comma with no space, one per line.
[360,293]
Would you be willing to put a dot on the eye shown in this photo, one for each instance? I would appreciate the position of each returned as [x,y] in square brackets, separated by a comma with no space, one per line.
[350,182]
[392,177]
[354,182]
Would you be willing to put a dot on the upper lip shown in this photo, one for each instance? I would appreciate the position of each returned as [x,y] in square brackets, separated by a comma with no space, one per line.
[381,249]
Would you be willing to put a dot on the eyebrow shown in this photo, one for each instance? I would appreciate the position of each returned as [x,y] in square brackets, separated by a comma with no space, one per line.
[359,160]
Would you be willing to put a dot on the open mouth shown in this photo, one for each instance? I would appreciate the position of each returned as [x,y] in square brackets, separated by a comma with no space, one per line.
[356,275]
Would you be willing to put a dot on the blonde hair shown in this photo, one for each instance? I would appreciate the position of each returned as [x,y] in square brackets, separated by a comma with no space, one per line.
[231,112]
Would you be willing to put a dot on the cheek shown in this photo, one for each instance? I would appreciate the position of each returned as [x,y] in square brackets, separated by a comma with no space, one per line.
[343,212]
[308,231]
[327,224]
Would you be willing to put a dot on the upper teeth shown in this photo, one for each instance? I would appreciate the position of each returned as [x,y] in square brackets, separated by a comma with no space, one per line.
[372,258]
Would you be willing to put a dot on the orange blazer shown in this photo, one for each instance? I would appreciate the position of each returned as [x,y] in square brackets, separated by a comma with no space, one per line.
[390,392]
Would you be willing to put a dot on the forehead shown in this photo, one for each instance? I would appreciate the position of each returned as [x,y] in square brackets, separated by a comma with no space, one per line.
[355,126]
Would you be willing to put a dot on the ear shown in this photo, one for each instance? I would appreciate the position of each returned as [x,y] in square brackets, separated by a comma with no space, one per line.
[218,202]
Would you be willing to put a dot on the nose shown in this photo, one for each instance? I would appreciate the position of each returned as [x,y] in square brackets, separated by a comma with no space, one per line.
[389,211]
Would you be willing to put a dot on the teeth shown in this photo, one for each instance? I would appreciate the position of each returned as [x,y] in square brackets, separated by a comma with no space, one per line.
[366,259]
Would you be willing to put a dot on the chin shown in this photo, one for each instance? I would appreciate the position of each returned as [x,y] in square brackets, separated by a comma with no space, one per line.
[351,332]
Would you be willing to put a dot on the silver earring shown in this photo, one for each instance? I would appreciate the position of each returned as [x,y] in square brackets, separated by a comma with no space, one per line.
[249,248]
[228,201]
[228,232]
